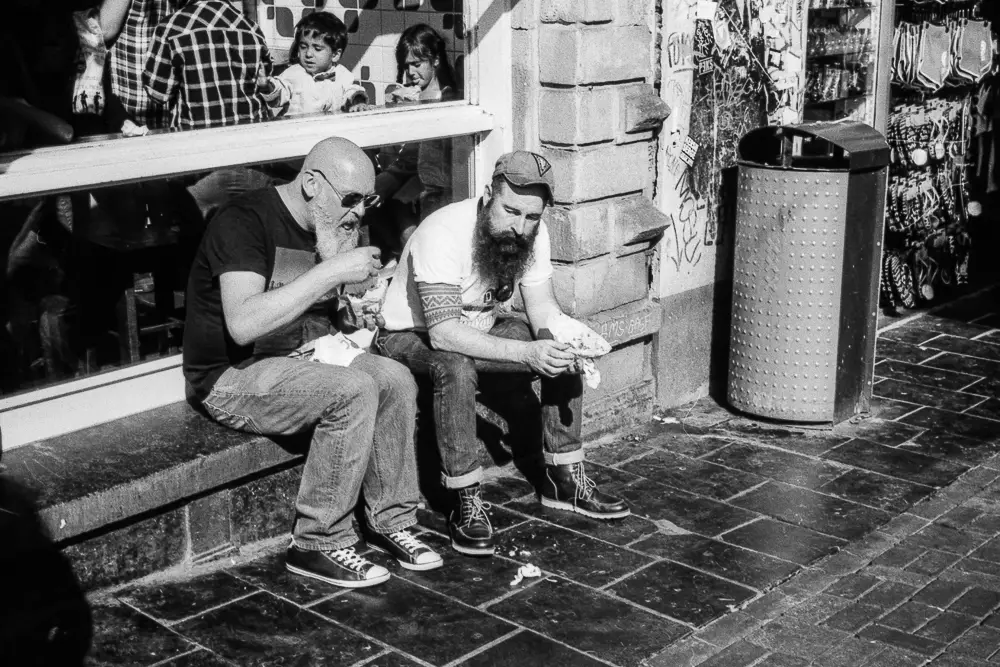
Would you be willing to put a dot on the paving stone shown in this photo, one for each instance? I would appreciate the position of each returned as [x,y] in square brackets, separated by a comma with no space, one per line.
[526,649]
[933,562]
[842,563]
[569,554]
[899,658]
[851,652]
[688,652]
[901,640]
[960,424]
[875,490]
[853,618]
[777,464]
[811,443]
[945,538]
[739,654]
[174,601]
[956,660]
[808,582]
[940,593]
[785,541]
[888,594]
[904,525]
[798,639]
[682,593]
[895,462]
[926,374]
[693,475]
[729,629]
[927,396]
[704,516]
[909,616]
[900,555]
[782,660]
[123,636]
[872,545]
[616,531]
[898,575]
[947,627]
[976,602]
[771,605]
[944,444]
[888,348]
[818,608]
[853,586]
[592,622]
[979,642]
[824,514]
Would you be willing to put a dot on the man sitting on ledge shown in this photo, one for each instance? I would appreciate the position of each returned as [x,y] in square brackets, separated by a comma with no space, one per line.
[441,321]
[264,281]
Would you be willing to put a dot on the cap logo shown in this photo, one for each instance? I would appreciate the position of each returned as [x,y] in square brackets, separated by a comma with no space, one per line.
[543,164]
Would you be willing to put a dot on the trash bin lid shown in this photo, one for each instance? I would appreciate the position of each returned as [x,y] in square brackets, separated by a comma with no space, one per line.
[841,146]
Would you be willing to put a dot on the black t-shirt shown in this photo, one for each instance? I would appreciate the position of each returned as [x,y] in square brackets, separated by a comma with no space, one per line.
[254,232]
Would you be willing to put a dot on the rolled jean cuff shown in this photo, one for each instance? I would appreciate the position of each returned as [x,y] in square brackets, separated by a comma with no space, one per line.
[462,481]
[402,525]
[563,458]
[326,545]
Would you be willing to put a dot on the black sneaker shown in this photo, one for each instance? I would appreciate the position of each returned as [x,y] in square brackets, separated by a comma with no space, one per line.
[343,567]
[468,525]
[567,487]
[407,549]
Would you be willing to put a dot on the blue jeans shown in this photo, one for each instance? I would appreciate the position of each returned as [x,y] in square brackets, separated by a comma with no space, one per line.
[362,419]
[456,380]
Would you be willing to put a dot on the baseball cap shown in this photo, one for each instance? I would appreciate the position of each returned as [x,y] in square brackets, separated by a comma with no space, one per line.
[525,168]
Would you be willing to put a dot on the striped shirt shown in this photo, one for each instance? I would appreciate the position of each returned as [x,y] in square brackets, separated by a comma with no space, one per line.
[203,66]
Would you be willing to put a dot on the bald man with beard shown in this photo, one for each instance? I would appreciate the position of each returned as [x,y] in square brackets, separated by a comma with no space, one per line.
[264,282]
[441,316]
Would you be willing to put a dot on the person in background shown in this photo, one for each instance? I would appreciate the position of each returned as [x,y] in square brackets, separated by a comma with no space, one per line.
[315,82]
[203,66]
[440,315]
[417,178]
[263,284]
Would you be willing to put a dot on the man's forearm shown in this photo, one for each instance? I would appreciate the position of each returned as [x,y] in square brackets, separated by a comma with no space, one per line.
[453,336]
[266,312]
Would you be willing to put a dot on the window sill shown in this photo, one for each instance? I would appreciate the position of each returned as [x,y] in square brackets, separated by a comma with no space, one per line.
[95,163]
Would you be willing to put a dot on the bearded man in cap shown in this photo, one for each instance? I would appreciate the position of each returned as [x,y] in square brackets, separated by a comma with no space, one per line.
[264,281]
[441,321]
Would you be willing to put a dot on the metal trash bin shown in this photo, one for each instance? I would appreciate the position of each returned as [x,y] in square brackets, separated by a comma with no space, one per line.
[809,224]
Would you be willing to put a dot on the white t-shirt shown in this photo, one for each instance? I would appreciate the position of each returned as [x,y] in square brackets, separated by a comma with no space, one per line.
[305,93]
[440,251]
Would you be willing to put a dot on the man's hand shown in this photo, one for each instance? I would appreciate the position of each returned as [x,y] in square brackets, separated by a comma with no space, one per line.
[548,358]
[355,266]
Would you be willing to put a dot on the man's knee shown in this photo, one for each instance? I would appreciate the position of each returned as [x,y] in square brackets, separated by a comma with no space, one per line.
[354,391]
[455,369]
[395,378]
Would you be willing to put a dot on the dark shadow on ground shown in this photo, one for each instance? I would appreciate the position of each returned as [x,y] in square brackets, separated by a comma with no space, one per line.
[44,617]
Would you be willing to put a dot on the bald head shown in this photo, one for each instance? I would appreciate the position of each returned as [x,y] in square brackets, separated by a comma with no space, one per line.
[341,161]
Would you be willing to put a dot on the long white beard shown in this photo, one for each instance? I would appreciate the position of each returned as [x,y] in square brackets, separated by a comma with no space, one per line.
[330,240]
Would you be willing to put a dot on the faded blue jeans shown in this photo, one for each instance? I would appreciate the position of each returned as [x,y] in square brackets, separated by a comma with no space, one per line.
[456,381]
[363,419]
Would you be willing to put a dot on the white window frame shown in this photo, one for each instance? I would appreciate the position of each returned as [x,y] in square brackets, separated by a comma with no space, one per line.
[485,115]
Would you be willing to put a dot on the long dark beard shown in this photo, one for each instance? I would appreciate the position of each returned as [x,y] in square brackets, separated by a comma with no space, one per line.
[500,261]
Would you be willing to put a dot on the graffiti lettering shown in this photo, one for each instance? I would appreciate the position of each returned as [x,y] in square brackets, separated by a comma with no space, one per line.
[626,328]
[680,51]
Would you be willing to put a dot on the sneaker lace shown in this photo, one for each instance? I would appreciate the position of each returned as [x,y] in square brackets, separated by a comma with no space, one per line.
[585,486]
[349,558]
[474,508]
[404,539]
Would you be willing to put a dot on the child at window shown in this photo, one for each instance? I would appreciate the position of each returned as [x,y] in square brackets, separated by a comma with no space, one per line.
[315,82]
[417,180]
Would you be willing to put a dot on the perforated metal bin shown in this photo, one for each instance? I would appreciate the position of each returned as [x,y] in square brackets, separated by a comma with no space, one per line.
[809,224]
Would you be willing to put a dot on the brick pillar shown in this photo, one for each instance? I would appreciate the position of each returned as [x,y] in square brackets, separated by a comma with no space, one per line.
[582,97]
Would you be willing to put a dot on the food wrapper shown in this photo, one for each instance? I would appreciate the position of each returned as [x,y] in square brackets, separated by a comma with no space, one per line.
[130,129]
[403,93]
[364,308]
[335,349]
[584,342]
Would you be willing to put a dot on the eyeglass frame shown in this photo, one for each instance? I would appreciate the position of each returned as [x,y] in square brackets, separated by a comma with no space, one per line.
[375,199]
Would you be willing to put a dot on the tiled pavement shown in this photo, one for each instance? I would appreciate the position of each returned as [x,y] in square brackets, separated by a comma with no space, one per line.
[877,543]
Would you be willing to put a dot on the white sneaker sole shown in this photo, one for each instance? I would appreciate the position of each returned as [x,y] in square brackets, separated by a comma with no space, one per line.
[569,507]
[417,567]
[339,582]
[469,551]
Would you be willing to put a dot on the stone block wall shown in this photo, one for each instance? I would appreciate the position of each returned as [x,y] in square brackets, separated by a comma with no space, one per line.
[582,76]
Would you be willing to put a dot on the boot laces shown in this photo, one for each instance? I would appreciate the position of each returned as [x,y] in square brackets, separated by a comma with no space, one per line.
[406,540]
[349,558]
[585,486]
[473,509]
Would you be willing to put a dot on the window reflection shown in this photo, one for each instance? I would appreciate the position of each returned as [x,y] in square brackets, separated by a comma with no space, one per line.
[129,67]
[93,281]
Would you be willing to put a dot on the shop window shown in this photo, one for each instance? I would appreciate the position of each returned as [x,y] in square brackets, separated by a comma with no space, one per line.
[115,68]
[94,282]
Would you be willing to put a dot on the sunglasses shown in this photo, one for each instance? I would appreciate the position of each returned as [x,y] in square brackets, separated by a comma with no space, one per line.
[352,199]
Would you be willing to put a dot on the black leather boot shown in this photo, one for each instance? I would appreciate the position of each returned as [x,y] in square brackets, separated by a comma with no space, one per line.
[567,487]
[469,526]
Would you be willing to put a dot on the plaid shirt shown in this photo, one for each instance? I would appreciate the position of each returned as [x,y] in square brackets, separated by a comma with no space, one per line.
[203,66]
[127,57]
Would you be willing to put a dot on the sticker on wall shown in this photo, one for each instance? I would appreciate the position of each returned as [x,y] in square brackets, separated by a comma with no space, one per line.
[409,5]
[689,151]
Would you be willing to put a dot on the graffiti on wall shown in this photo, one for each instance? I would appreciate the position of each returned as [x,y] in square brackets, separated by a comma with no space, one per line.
[728,66]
